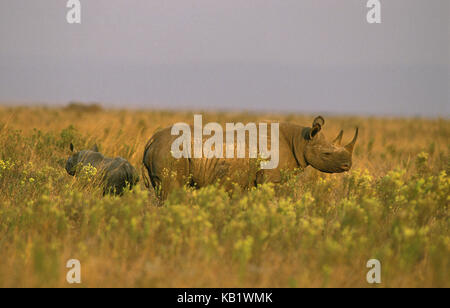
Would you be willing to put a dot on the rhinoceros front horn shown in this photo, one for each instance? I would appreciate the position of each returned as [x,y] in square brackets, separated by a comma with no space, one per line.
[349,147]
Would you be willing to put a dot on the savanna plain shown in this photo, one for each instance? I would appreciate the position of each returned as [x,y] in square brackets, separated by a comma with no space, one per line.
[312,230]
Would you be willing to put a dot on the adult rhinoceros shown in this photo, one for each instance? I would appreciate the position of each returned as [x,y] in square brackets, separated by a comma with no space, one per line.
[299,147]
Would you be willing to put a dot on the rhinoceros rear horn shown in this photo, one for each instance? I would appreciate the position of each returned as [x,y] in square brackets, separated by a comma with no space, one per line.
[338,139]
[316,126]
[349,147]
[71,147]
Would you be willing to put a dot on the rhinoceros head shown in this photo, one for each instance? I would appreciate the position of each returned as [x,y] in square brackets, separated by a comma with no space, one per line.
[74,160]
[327,156]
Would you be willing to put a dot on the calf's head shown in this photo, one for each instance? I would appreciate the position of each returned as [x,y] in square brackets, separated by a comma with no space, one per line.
[74,160]
[327,156]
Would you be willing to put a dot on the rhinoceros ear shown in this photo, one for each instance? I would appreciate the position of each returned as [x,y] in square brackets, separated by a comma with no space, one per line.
[316,126]
[71,147]
[94,148]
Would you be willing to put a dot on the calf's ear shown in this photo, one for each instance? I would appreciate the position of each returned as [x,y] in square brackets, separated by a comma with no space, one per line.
[71,147]
[95,148]
[316,126]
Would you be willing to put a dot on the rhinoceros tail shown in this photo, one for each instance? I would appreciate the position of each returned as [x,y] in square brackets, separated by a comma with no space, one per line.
[147,167]
[145,177]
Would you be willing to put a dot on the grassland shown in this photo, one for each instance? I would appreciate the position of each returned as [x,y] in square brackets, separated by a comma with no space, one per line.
[314,230]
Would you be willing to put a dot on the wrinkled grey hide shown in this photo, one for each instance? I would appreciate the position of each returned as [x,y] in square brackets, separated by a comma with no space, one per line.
[115,174]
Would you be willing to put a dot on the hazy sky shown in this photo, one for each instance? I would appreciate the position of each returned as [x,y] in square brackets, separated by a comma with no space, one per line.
[271,55]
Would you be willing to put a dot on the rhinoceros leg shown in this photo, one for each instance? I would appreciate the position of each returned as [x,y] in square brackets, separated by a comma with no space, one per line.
[268,176]
[168,175]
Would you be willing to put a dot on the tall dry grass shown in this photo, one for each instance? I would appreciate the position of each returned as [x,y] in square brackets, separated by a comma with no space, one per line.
[313,230]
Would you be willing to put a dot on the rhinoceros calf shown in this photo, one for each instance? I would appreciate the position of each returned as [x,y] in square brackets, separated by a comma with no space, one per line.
[115,174]
[299,147]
